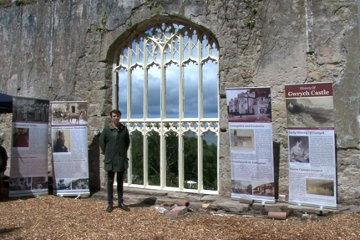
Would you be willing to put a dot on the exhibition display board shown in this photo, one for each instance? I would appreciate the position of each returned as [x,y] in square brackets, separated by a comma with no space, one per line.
[251,143]
[311,144]
[29,151]
[70,148]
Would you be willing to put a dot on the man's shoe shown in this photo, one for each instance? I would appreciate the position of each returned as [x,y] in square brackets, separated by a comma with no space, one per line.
[124,207]
[109,208]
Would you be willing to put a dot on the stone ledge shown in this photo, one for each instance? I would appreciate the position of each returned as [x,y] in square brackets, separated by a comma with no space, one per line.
[219,204]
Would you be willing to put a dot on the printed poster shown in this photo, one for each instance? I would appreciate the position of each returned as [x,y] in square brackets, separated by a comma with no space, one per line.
[29,151]
[70,148]
[251,143]
[311,144]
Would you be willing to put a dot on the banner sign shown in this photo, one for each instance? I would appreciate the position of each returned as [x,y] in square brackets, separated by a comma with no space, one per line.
[311,144]
[70,148]
[251,143]
[29,152]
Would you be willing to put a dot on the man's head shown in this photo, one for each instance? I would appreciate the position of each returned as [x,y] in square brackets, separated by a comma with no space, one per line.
[115,116]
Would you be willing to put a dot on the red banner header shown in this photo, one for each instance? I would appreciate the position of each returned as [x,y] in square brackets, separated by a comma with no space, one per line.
[309,90]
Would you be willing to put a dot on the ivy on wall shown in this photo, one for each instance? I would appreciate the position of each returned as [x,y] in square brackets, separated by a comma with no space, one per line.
[252,6]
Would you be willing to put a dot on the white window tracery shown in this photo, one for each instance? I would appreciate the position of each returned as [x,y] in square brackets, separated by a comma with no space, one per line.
[167,90]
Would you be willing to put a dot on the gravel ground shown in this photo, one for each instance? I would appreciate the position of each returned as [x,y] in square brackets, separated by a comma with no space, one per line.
[51,217]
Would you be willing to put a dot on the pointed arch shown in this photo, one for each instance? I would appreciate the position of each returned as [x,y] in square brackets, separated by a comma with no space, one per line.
[158,79]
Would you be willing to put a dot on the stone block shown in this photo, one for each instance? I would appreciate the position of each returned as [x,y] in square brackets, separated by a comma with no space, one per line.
[177,211]
[277,207]
[229,206]
[277,215]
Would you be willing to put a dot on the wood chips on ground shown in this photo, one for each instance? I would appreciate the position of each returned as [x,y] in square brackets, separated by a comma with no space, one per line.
[51,217]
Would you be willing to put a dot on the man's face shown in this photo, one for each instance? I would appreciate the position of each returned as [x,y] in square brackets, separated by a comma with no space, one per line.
[115,118]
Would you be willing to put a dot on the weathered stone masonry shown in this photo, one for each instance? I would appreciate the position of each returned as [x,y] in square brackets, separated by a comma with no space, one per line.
[64,50]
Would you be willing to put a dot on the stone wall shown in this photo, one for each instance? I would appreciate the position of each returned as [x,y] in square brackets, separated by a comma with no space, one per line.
[64,49]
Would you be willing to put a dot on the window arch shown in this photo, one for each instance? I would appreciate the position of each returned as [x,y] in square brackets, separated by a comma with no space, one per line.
[167,90]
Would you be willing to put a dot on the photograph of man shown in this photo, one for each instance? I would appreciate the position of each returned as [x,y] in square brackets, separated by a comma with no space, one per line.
[299,149]
[21,137]
[114,143]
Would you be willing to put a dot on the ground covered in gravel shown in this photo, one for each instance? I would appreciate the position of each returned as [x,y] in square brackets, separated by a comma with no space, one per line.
[51,217]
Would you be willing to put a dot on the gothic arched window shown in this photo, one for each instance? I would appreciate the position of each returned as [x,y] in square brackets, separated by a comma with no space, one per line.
[167,91]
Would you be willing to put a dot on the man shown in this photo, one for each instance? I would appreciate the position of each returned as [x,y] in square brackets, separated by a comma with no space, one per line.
[3,156]
[114,143]
[3,162]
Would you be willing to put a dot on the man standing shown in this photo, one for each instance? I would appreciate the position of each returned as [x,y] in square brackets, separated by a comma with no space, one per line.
[114,143]
[3,162]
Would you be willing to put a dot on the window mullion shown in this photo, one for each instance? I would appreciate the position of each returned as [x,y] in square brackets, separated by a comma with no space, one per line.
[200,82]
[115,87]
[181,157]
[201,115]
[146,81]
[181,78]
[162,157]
[129,83]
[163,85]
[181,113]
[200,159]
[145,157]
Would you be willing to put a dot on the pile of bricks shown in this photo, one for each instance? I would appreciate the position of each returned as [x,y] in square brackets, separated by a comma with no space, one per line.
[180,208]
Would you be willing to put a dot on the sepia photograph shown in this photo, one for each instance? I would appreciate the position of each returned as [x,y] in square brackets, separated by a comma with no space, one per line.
[264,189]
[320,186]
[61,141]
[69,113]
[21,137]
[316,112]
[242,139]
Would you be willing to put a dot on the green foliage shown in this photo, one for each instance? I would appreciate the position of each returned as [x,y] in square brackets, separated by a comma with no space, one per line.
[190,159]
[5,2]
[172,174]
[101,27]
[21,2]
[250,23]
[137,158]
[172,163]
[252,6]
[210,166]
[151,3]
[154,159]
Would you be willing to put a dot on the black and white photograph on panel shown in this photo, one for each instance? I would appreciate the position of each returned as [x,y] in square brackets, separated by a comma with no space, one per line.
[241,187]
[63,184]
[81,183]
[299,149]
[249,105]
